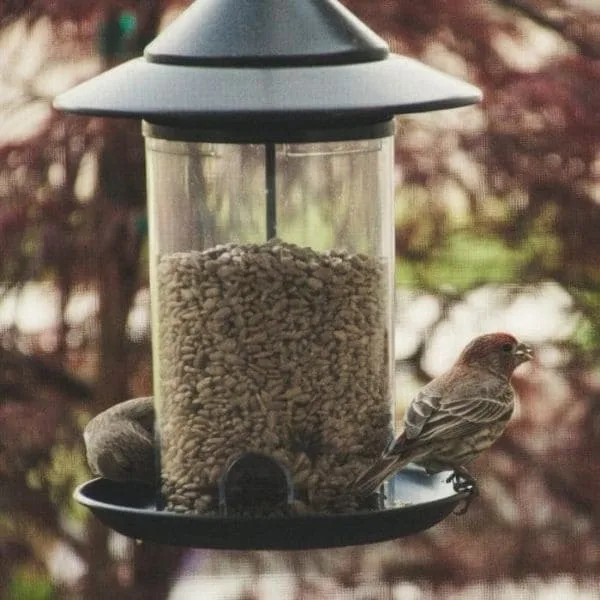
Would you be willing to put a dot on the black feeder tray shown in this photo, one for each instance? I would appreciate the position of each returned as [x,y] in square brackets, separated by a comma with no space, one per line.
[413,501]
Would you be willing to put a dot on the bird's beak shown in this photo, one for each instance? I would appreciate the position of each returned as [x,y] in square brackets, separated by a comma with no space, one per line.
[523,352]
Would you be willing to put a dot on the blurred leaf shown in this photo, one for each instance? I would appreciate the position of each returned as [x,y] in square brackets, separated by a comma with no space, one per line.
[467,259]
[586,336]
[30,584]
[587,333]
[67,468]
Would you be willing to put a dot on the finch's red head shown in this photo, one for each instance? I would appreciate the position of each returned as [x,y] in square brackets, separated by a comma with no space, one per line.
[500,352]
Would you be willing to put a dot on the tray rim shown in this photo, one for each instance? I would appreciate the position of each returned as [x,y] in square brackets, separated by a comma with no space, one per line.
[128,519]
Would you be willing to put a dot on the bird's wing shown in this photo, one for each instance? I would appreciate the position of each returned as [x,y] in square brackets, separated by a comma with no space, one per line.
[421,410]
[419,414]
[462,416]
[424,405]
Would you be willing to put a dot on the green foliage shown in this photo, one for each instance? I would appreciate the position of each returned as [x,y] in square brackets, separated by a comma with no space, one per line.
[586,337]
[444,245]
[68,468]
[29,584]
[587,331]
[445,251]
[466,259]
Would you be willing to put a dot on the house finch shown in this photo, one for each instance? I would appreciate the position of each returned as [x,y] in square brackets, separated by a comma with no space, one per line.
[456,416]
[120,442]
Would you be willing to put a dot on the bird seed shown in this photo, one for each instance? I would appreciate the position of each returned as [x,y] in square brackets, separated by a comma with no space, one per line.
[275,349]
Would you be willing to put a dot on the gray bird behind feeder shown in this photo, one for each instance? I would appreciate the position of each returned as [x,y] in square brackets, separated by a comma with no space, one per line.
[120,442]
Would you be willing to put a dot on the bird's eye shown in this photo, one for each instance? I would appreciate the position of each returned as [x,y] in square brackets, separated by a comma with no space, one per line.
[507,347]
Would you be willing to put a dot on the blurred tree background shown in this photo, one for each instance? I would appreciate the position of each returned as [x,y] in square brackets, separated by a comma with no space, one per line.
[497,227]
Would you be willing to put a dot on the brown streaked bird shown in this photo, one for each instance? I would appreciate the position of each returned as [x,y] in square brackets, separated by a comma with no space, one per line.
[456,416]
[120,442]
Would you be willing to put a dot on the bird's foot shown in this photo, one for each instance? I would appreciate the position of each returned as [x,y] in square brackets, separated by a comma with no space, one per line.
[463,481]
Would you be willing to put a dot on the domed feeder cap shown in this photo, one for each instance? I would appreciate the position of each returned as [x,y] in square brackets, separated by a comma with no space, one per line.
[266,33]
[226,62]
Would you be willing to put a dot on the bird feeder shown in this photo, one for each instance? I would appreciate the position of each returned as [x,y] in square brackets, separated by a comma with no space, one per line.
[269,128]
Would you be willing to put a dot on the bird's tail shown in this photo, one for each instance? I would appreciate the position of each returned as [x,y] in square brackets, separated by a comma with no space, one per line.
[370,479]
